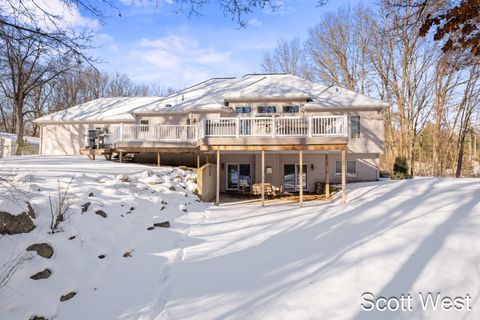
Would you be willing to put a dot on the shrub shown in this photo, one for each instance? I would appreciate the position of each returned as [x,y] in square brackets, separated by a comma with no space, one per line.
[400,168]
[59,207]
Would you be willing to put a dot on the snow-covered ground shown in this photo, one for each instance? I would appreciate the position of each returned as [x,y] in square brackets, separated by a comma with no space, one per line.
[108,288]
[241,261]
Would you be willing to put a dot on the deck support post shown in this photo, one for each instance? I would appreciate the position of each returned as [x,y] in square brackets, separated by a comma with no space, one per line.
[120,157]
[208,158]
[158,159]
[344,176]
[217,198]
[198,160]
[263,178]
[327,178]
[300,154]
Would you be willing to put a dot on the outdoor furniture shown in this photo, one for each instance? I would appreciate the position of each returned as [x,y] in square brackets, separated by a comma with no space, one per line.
[270,190]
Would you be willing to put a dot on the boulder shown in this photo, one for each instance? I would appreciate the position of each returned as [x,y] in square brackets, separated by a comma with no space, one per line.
[91,194]
[10,224]
[164,224]
[68,296]
[45,274]
[150,228]
[101,256]
[101,213]
[37,318]
[172,188]
[42,249]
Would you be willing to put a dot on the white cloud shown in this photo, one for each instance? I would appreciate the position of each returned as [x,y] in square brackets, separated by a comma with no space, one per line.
[176,61]
[70,16]
[255,22]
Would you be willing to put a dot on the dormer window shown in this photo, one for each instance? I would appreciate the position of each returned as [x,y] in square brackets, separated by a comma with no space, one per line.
[243,110]
[291,109]
[267,109]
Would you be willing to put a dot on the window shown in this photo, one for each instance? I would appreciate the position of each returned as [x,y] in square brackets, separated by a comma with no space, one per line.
[351,168]
[354,126]
[267,109]
[243,109]
[291,109]
[144,125]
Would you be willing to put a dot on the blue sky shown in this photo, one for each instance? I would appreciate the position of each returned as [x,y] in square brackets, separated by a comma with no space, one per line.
[151,43]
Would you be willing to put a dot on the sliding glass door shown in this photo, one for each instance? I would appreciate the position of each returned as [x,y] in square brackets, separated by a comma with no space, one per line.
[291,177]
[238,176]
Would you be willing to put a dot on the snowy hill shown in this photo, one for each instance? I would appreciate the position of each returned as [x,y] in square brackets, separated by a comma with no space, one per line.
[113,264]
[237,261]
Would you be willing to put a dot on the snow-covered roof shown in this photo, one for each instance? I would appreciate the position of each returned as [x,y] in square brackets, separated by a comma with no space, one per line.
[212,95]
[103,109]
[13,137]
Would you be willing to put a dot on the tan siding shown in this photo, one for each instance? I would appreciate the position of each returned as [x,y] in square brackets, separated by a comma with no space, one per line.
[65,139]
[371,130]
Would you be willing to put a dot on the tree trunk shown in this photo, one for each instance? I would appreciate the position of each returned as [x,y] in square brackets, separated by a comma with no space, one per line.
[19,128]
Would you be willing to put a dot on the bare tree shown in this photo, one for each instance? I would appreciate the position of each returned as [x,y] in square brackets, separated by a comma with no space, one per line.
[287,57]
[338,48]
[28,64]
[469,103]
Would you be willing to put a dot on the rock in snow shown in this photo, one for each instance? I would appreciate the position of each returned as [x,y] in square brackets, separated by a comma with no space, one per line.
[10,224]
[164,224]
[68,296]
[43,249]
[41,275]
[101,213]
[85,207]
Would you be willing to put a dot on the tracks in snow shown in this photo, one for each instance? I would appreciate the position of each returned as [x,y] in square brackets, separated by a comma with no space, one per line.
[165,282]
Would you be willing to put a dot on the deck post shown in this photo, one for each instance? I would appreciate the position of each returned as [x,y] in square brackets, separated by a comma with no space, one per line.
[327,178]
[300,154]
[158,159]
[120,157]
[344,176]
[198,160]
[263,178]
[217,198]
[208,158]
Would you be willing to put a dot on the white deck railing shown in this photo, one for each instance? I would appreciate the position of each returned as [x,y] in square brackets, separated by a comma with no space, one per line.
[140,132]
[235,127]
[276,127]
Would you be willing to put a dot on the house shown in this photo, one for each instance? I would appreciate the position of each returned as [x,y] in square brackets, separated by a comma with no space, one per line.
[275,128]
